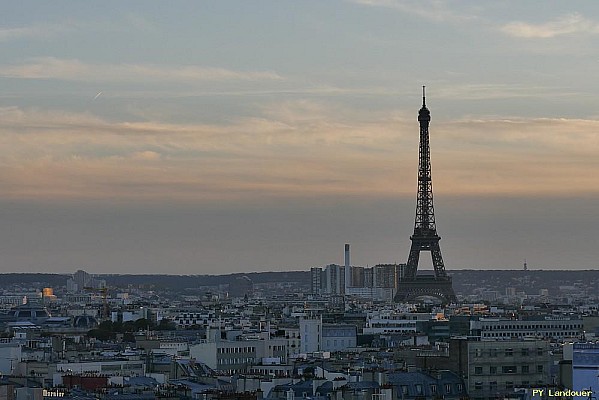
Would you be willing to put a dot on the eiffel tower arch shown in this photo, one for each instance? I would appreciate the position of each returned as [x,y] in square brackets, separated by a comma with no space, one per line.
[410,285]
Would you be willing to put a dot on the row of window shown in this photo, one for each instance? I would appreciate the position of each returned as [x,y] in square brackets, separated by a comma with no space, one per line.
[342,343]
[118,367]
[509,369]
[396,317]
[531,326]
[413,330]
[393,325]
[234,350]
[509,352]
[522,334]
[193,315]
[492,386]
[238,360]
[339,332]
[419,388]
[306,328]
[192,321]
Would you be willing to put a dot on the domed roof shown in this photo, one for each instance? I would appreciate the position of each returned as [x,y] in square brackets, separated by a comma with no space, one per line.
[85,321]
[29,312]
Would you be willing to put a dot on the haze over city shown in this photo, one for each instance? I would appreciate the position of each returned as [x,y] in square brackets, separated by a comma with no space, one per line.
[233,136]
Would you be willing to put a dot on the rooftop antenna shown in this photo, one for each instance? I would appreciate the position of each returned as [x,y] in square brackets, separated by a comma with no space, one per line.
[525,265]
[423,97]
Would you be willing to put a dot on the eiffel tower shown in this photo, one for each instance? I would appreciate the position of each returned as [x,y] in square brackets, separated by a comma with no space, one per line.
[410,285]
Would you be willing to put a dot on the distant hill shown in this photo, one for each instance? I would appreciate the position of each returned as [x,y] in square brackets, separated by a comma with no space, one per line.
[33,279]
[464,281]
[194,281]
[173,282]
[529,282]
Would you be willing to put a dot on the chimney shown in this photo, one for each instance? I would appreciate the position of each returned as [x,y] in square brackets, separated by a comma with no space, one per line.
[347,270]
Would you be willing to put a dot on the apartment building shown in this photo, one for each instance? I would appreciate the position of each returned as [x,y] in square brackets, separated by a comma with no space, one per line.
[495,368]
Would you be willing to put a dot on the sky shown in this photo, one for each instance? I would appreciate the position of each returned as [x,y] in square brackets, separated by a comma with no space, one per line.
[209,137]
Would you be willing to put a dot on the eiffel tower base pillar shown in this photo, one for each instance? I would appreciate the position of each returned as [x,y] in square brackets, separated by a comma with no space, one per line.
[408,290]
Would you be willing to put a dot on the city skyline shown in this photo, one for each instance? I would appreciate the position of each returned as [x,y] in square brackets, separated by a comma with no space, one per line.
[205,138]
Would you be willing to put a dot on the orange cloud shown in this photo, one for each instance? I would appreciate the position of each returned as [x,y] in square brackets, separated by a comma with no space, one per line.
[569,24]
[307,151]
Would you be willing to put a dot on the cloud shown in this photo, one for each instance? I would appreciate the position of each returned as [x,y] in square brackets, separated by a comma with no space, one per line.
[76,70]
[489,91]
[306,153]
[566,25]
[146,155]
[431,10]
[507,157]
[303,150]
[41,31]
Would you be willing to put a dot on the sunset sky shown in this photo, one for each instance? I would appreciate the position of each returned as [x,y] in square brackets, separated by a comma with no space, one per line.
[205,137]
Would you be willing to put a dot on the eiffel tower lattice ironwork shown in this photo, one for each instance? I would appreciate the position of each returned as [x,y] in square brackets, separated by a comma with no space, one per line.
[410,285]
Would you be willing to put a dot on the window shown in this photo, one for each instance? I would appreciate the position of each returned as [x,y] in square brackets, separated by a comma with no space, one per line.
[448,388]
[493,385]
[539,368]
[492,369]
[525,369]
[524,352]
[478,353]
[509,385]
[433,389]
[110,367]
[418,388]
[404,389]
[478,370]
[508,369]
[539,351]
[478,385]
[493,352]
[509,352]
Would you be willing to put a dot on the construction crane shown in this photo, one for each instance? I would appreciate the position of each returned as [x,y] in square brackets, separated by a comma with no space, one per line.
[104,293]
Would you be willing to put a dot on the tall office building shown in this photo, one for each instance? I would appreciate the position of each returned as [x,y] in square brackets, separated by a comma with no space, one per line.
[335,278]
[82,279]
[316,280]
